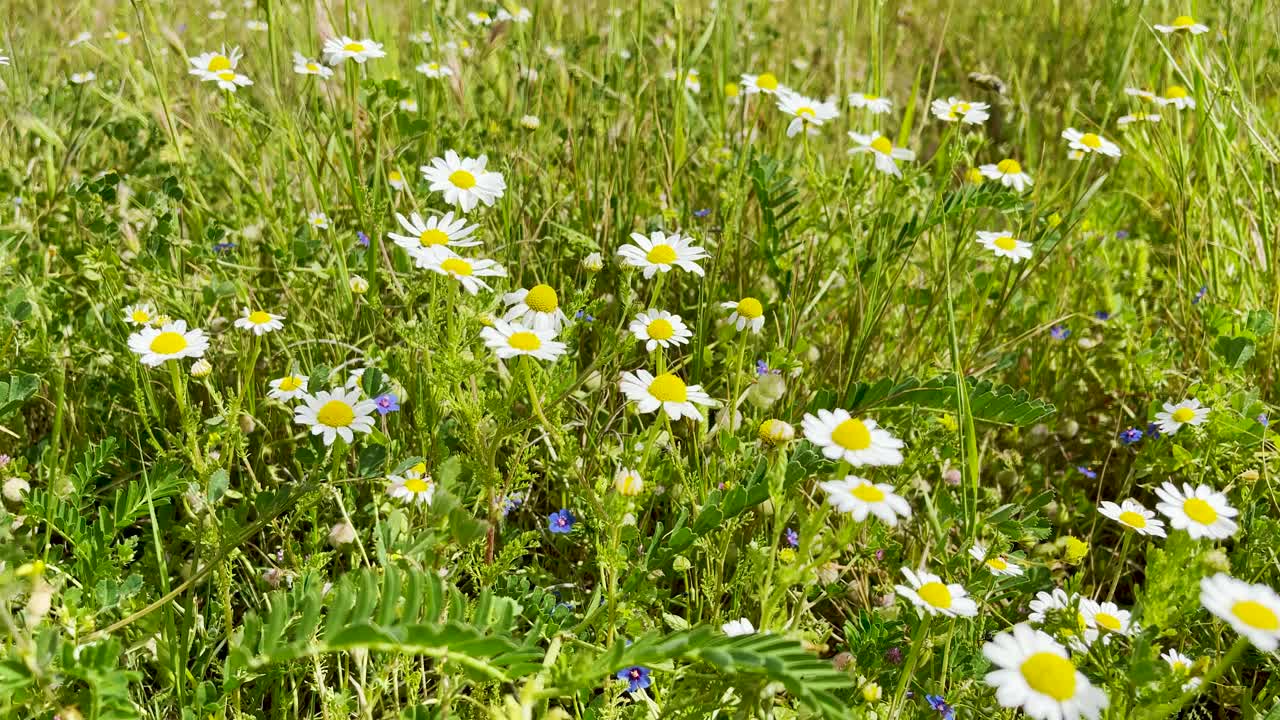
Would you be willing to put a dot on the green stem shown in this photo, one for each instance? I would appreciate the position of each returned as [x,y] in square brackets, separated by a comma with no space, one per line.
[1210,677]
[908,668]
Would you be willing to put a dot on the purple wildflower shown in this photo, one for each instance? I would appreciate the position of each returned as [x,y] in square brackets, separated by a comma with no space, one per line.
[1086,472]
[793,538]
[636,677]
[1058,332]
[362,239]
[561,522]
[1130,436]
[1102,315]
[386,403]
[938,703]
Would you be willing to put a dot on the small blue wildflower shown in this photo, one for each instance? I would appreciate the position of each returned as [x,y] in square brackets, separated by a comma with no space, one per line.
[1122,234]
[1263,420]
[362,239]
[386,403]
[702,213]
[1102,315]
[1130,436]
[511,503]
[762,367]
[1204,290]
[1058,332]
[1153,431]
[226,246]
[938,703]
[636,677]
[793,538]
[583,316]
[1086,472]
[561,521]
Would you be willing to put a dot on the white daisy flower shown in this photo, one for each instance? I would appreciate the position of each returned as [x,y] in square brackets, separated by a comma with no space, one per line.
[467,271]
[807,113]
[1140,93]
[121,37]
[1175,415]
[1106,616]
[1202,511]
[660,252]
[999,565]
[230,80]
[288,387]
[1178,662]
[666,392]
[882,149]
[412,488]
[530,122]
[1036,674]
[1049,602]
[1183,23]
[480,18]
[537,307]
[420,38]
[318,220]
[140,314]
[434,69]
[304,65]
[1252,610]
[691,81]
[1090,143]
[860,497]
[954,109]
[930,595]
[747,313]
[1005,245]
[445,231]
[1008,172]
[508,341]
[408,105]
[844,437]
[1125,120]
[628,482]
[217,14]
[344,48]
[659,328]
[766,83]
[464,181]
[735,628]
[255,25]
[83,37]
[208,65]
[82,78]
[1177,96]
[396,180]
[875,104]
[172,341]
[335,413]
[1134,516]
[259,321]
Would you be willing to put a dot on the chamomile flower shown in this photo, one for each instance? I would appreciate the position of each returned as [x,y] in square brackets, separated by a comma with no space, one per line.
[739,627]
[412,488]
[446,231]
[1183,23]
[81,38]
[1177,96]
[408,105]
[954,109]
[1140,93]
[664,392]
[776,432]
[857,442]
[318,220]
[1049,602]
[172,341]
[229,80]
[1202,511]
[875,104]
[1107,617]
[480,18]
[747,313]
[466,271]
[259,322]
[1005,245]
[882,150]
[807,113]
[288,387]
[1252,610]
[765,82]
[304,65]
[1090,143]
[464,181]
[1177,662]
[82,78]
[1126,120]
[256,25]
[1175,415]
[140,314]
[628,482]
[345,48]
[1036,674]
[860,497]
[208,65]
[692,83]
[660,252]
[659,328]
[999,565]
[1134,516]
[538,307]
[434,69]
[396,180]
[507,341]
[422,37]
[930,595]
[519,13]
[121,37]
[336,413]
[1008,172]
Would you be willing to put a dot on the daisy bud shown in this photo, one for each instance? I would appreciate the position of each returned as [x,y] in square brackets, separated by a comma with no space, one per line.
[871,692]
[201,368]
[628,482]
[359,285]
[776,432]
[593,263]
[342,534]
[1216,561]
[530,122]
[15,489]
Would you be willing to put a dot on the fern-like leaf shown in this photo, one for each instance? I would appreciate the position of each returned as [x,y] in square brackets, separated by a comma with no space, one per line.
[991,403]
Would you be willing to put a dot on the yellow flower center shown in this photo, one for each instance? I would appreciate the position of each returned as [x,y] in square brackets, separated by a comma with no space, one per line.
[750,308]
[456,266]
[852,434]
[259,317]
[227,75]
[525,341]
[1183,415]
[219,62]
[870,98]
[669,388]
[168,343]
[661,254]
[289,383]
[354,47]
[660,329]
[335,413]
[434,236]
[122,35]
[960,107]
[806,112]
[1006,243]
[936,594]
[1200,511]
[974,175]
[140,316]
[1132,519]
[882,145]
[542,298]
[1183,21]
[1175,92]
[1108,621]
[462,179]
[868,493]
[731,90]
[1009,167]
[767,81]
[1091,140]
[1051,675]
[416,485]
[1256,615]
[997,564]
[482,15]
[312,67]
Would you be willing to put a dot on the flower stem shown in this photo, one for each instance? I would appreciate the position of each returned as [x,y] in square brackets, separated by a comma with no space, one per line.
[908,668]
[1209,678]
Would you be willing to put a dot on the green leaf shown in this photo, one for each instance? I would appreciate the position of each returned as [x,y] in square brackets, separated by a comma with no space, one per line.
[16,390]
[1234,351]
[991,403]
